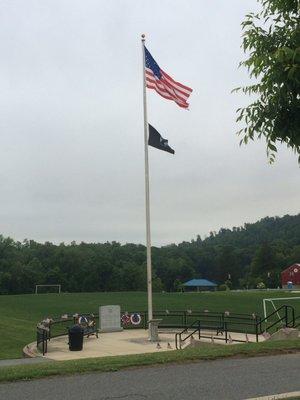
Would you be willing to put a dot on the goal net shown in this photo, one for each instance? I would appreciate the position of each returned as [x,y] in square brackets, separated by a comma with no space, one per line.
[47,289]
[272,305]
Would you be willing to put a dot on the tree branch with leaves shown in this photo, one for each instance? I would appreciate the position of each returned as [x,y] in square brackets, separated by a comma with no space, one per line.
[271,40]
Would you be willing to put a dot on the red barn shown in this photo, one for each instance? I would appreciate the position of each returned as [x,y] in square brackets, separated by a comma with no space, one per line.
[290,277]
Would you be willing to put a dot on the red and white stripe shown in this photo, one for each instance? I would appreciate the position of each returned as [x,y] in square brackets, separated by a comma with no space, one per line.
[168,88]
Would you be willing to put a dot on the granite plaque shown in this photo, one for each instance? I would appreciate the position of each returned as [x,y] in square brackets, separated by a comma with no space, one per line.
[110,319]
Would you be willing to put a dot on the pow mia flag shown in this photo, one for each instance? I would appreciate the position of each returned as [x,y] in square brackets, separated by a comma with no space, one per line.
[157,141]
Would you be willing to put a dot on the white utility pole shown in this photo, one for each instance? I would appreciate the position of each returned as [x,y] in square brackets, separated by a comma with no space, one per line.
[147,192]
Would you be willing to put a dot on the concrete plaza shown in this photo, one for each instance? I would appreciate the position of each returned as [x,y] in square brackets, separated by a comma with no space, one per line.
[130,341]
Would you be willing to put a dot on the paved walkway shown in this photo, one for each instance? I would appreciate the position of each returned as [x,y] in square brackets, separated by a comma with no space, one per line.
[109,344]
[228,379]
[22,361]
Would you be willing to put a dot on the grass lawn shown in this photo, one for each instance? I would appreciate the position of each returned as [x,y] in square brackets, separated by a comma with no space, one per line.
[105,364]
[20,313]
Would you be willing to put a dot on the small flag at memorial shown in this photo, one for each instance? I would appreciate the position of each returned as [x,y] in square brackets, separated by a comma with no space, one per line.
[157,141]
[164,85]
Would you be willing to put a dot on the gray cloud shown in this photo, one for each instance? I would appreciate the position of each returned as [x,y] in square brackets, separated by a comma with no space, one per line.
[71,164]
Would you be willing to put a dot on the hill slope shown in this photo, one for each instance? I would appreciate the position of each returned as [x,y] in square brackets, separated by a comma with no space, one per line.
[241,257]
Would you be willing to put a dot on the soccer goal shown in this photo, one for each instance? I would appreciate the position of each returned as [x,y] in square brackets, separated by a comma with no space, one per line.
[272,304]
[47,289]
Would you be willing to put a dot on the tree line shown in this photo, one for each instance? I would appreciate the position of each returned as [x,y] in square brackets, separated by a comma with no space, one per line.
[241,257]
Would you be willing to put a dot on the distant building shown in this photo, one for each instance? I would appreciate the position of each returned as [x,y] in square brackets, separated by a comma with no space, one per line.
[198,285]
[290,277]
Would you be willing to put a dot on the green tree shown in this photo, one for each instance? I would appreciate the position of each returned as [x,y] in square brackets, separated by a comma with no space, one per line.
[271,40]
[5,282]
[238,252]
[227,266]
[134,276]
[295,256]
[263,261]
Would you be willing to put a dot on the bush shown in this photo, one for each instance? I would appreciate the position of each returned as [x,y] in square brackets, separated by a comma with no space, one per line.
[261,285]
[223,288]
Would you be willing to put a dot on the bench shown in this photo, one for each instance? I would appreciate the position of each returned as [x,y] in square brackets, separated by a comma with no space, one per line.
[88,324]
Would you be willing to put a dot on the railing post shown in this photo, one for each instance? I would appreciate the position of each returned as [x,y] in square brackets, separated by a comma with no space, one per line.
[293,316]
[145,320]
[226,333]
[260,328]
[256,332]
[44,341]
[185,318]
[199,333]
[286,315]
[223,320]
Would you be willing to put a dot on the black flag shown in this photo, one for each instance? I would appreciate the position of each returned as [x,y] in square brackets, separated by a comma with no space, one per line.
[157,141]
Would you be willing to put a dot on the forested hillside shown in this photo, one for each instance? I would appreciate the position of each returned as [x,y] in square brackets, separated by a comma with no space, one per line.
[240,257]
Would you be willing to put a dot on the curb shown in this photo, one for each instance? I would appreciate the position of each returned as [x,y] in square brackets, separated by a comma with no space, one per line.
[30,351]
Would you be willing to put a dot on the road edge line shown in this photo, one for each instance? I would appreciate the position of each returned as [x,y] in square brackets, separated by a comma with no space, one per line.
[279,396]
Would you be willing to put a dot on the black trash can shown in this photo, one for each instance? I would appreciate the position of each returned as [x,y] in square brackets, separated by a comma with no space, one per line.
[75,338]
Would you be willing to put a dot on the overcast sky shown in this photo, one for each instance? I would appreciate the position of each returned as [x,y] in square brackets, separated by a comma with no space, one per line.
[71,123]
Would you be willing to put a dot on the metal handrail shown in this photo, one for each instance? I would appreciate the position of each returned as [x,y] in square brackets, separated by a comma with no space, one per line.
[284,318]
[184,317]
[42,337]
[188,320]
[297,321]
[178,334]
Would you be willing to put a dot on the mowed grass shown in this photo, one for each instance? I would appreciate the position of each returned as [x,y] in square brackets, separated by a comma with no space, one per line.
[20,313]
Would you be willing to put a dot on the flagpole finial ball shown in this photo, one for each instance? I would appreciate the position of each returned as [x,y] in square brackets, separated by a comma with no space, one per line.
[143,36]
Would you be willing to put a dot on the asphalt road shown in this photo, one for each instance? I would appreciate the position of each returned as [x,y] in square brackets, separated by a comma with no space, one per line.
[232,379]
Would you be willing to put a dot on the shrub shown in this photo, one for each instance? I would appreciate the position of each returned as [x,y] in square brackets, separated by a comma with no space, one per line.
[223,288]
[261,285]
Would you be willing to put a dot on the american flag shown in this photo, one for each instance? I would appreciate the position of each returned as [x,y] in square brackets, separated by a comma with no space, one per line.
[164,85]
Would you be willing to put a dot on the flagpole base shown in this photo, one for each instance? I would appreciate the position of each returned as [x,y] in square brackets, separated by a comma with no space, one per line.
[153,330]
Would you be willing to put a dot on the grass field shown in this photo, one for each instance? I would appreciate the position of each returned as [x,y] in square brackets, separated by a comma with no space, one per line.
[20,313]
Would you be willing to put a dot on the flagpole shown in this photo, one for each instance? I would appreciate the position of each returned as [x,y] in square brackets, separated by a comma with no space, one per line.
[147,195]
